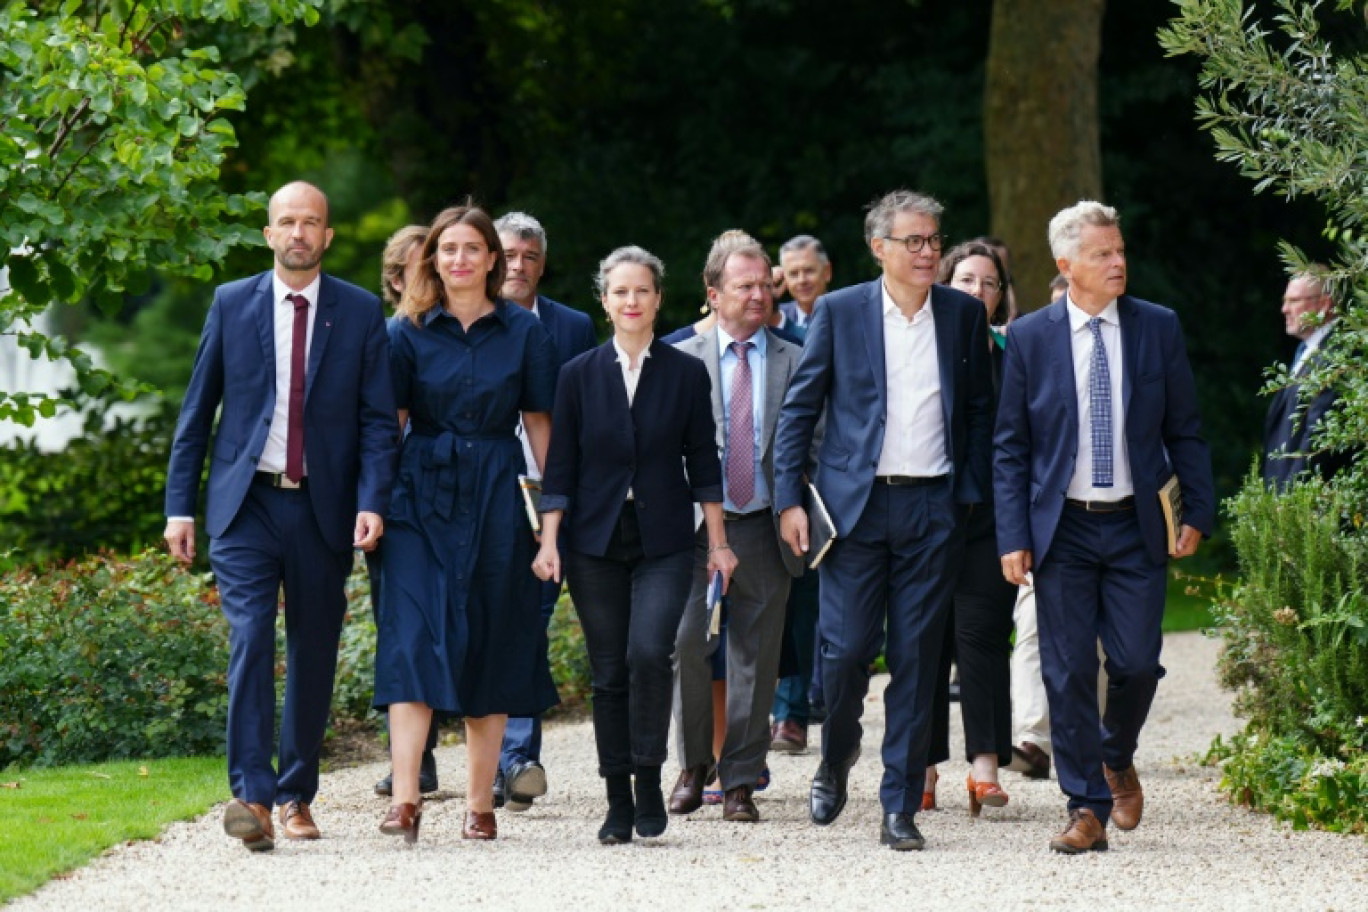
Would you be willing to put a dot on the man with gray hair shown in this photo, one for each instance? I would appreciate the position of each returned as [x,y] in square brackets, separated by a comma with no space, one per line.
[807,273]
[521,778]
[900,365]
[1098,412]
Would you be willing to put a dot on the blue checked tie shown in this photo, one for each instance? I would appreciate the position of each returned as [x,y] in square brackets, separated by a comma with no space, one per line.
[1099,401]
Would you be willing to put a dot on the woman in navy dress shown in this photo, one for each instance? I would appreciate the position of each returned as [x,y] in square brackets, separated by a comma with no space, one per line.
[460,627]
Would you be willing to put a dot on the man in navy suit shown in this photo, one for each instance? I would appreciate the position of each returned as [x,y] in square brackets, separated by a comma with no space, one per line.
[806,271]
[1290,448]
[521,778]
[301,468]
[900,366]
[1098,410]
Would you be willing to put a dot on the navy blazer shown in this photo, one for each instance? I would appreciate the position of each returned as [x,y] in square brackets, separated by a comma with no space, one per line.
[1036,439]
[1290,429]
[570,329]
[350,426]
[843,368]
[663,447]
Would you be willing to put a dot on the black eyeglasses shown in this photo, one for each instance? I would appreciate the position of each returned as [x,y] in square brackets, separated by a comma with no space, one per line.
[915,242]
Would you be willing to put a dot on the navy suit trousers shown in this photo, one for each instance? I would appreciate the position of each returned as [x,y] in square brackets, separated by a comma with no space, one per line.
[275,541]
[1098,582]
[894,569]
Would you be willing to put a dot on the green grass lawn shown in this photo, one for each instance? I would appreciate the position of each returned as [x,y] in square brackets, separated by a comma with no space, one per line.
[1188,603]
[58,819]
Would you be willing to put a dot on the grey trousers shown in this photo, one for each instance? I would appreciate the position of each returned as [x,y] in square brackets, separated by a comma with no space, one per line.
[756,603]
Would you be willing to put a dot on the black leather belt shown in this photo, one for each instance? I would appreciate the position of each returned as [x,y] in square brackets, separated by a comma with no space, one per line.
[733,516]
[279,480]
[910,481]
[1103,506]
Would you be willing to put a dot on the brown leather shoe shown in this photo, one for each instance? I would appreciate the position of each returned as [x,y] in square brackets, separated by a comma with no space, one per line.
[480,825]
[296,822]
[1085,833]
[738,805]
[1128,799]
[1030,760]
[251,823]
[687,796]
[403,820]
[788,737]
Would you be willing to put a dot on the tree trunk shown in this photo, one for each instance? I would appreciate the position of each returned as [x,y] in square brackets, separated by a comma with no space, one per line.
[1040,125]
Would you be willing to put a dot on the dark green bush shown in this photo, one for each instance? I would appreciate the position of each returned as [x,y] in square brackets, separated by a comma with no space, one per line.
[1295,629]
[110,658]
[103,492]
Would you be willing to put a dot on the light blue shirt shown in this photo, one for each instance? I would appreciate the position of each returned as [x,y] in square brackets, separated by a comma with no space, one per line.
[726,368]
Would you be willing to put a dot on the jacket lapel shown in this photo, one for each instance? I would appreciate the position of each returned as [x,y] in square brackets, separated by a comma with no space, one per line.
[946,331]
[874,338]
[778,363]
[1061,353]
[265,320]
[705,349]
[322,330]
[1130,347]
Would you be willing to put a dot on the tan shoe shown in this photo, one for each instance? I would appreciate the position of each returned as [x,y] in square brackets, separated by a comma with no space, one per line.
[1085,833]
[297,822]
[251,823]
[1128,800]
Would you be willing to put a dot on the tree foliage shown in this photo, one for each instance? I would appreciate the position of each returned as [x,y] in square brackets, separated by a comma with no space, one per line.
[112,136]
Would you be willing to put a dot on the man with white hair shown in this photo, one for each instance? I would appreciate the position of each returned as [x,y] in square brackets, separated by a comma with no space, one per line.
[1098,411]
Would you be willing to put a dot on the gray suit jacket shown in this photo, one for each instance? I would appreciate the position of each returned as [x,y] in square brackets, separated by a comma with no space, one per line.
[781,359]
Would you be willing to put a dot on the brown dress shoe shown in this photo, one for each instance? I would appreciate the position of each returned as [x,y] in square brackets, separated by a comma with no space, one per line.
[1085,833]
[1128,799]
[788,737]
[403,820]
[296,822]
[738,805]
[480,825]
[251,823]
[1030,760]
[687,796]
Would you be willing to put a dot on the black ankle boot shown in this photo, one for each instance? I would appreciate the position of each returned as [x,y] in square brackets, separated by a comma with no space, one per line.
[617,826]
[651,818]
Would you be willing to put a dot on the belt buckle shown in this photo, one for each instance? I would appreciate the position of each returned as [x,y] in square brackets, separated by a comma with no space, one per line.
[283,481]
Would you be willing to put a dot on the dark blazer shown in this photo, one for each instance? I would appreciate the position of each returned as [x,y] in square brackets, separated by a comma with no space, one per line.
[781,360]
[663,447]
[1290,428]
[350,425]
[843,368]
[1036,438]
[572,330]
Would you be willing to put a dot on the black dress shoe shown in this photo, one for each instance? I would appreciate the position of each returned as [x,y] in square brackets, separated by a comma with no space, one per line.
[500,789]
[900,833]
[828,796]
[524,782]
[427,778]
[1030,760]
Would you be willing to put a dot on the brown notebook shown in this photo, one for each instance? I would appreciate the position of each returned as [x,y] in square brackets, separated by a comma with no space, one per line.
[531,492]
[1171,502]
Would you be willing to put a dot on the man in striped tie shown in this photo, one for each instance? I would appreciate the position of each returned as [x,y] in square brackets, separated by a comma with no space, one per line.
[750,368]
[1098,410]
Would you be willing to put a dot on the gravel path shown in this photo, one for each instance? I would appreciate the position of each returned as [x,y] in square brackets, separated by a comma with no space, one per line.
[1193,851]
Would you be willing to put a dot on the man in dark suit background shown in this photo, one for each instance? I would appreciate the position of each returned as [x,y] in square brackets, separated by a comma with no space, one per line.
[745,403]
[302,465]
[901,367]
[521,778]
[806,270]
[1290,448]
[1098,410]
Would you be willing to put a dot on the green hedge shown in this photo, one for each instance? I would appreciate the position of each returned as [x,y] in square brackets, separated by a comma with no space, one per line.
[1295,630]
[114,658]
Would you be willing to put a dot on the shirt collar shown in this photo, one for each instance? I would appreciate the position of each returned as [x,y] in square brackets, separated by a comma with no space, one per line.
[1313,341]
[1078,317]
[625,360]
[438,310]
[310,291]
[891,307]
[724,341]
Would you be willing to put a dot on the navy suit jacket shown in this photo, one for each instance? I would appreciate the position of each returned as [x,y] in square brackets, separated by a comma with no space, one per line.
[843,369]
[663,447]
[1290,428]
[350,424]
[1036,438]
[570,329]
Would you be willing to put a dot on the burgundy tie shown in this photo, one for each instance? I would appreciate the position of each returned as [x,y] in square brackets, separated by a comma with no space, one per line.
[294,439]
[741,432]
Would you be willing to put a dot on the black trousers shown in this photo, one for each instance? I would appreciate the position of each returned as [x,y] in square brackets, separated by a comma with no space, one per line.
[978,637]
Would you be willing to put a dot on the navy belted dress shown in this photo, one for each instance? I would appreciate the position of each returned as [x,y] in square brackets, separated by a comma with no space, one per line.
[460,627]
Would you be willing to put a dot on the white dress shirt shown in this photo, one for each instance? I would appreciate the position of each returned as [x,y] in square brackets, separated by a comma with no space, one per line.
[914,435]
[273,455]
[1081,340]
[1311,343]
[631,376]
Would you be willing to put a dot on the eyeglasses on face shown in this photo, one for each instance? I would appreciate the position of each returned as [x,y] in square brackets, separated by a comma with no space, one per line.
[915,242]
[983,284]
